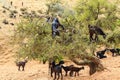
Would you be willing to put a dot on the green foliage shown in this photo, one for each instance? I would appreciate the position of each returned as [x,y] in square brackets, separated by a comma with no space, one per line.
[101,13]
[114,37]
[54,7]
[35,40]
[97,12]
[32,34]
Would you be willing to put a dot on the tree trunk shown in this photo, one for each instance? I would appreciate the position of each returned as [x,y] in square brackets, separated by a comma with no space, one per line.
[93,63]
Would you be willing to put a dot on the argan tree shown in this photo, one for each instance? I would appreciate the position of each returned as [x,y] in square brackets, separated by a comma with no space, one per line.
[35,41]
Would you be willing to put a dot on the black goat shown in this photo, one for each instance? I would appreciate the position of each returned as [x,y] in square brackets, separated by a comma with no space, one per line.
[76,70]
[100,54]
[21,63]
[95,30]
[67,68]
[117,50]
[57,69]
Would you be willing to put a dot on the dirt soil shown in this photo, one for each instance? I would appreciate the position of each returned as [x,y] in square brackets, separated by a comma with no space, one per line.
[35,70]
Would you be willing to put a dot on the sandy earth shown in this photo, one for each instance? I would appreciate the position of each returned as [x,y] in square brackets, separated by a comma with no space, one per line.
[35,70]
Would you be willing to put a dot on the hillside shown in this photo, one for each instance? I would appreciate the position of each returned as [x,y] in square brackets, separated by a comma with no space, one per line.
[35,70]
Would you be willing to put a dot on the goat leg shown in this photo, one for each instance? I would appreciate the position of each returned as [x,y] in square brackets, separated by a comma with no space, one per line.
[18,68]
[23,68]
[61,76]
[75,73]
[66,73]
[71,73]
[51,72]
[58,76]
[78,73]
[55,76]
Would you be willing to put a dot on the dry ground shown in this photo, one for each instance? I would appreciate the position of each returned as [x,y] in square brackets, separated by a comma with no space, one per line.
[35,70]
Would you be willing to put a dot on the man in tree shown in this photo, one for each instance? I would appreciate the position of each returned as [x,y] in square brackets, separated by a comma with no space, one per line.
[55,25]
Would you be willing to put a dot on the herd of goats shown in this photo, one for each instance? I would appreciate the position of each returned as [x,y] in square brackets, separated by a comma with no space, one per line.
[73,70]
[94,31]
[56,68]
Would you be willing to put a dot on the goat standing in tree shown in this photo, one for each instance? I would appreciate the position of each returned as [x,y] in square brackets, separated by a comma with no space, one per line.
[95,30]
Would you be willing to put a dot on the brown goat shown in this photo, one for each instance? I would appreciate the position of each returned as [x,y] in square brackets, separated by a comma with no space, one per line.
[76,70]
[67,68]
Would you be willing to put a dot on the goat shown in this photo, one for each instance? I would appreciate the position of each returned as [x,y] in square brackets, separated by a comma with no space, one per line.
[5,21]
[116,50]
[21,63]
[67,68]
[12,24]
[57,69]
[97,31]
[76,70]
[4,11]
[100,54]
